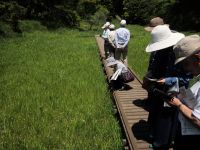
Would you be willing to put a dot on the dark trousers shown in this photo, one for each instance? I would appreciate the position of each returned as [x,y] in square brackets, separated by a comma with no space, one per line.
[186,142]
[106,48]
[162,122]
[111,50]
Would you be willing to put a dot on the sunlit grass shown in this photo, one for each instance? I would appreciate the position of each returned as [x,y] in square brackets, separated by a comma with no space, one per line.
[53,93]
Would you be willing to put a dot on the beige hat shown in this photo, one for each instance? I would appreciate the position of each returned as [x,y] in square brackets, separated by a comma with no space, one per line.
[162,37]
[112,26]
[106,25]
[186,47]
[154,22]
[123,22]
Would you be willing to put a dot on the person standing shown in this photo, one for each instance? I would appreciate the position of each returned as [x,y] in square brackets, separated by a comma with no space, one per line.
[106,30]
[187,53]
[152,24]
[122,37]
[111,40]
[161,66]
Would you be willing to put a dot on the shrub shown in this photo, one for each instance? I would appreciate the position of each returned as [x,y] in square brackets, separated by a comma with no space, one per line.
[30,26]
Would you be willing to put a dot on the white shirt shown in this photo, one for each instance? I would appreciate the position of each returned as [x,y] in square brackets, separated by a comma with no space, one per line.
[193,102]
[122,37]
[196,90]
[105,34]
[120,68]
[111,38]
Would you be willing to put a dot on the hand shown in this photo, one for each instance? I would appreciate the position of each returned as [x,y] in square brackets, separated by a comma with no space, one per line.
[161,81]
[175,102]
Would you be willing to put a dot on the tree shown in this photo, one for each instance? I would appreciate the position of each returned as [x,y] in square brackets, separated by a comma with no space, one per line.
[99,17]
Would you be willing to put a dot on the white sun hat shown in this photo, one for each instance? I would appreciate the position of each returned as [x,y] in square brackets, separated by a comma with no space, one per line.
[123,22]
[112,26]
[107,24]
[162,37]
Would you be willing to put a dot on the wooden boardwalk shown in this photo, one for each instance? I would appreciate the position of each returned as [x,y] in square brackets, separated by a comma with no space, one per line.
[131,108]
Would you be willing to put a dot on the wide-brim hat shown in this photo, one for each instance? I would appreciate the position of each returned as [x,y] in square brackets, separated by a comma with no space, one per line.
[162,38]
[154,22]
[186,47]
[112,27]
[106,25]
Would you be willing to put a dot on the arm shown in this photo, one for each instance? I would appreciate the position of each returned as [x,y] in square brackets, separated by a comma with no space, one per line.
[169,81]
[186,111]
[116,40]
[128,38]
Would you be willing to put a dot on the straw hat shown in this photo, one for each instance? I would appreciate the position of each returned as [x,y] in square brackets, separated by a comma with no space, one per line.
[162,37]
[154,22]
[106,25]
[186,47]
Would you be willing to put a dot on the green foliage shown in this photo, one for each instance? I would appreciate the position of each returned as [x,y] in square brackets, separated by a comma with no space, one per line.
[184,14]
[99,17]
[86,8]
[6,30]
[139,11]
[180,14]
[31,25]
[11,11]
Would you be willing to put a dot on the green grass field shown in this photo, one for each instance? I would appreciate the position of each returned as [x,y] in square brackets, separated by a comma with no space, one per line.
[53,93]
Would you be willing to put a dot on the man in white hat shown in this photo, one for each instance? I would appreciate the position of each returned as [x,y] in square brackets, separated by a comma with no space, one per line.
[111,40]
[122,37]
[187,53]
[161,66]
[106,30]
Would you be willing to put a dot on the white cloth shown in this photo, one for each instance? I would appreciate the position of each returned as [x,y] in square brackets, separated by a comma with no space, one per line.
[191,98]
[105,34]
[120,68]
[111,38]
[122,37]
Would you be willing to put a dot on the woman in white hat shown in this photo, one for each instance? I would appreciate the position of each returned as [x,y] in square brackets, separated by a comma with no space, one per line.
[161,65]
[106,31]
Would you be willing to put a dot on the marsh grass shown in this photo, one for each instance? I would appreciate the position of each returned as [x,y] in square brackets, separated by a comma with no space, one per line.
[53,93]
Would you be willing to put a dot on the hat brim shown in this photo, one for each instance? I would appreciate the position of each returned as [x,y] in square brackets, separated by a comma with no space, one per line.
[149,29]
[103,27]
[183,58]
[179,60]
[170,41]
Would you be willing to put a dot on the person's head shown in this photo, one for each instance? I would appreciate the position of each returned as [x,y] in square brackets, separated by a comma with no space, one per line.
[162,38]
[153,23]
[187,52]
[112,27]
[106,25]
[123,23]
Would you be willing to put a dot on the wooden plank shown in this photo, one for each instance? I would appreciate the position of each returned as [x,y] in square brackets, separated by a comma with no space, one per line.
[130,105]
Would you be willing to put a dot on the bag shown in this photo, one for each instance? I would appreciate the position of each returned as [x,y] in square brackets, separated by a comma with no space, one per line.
[127,76]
